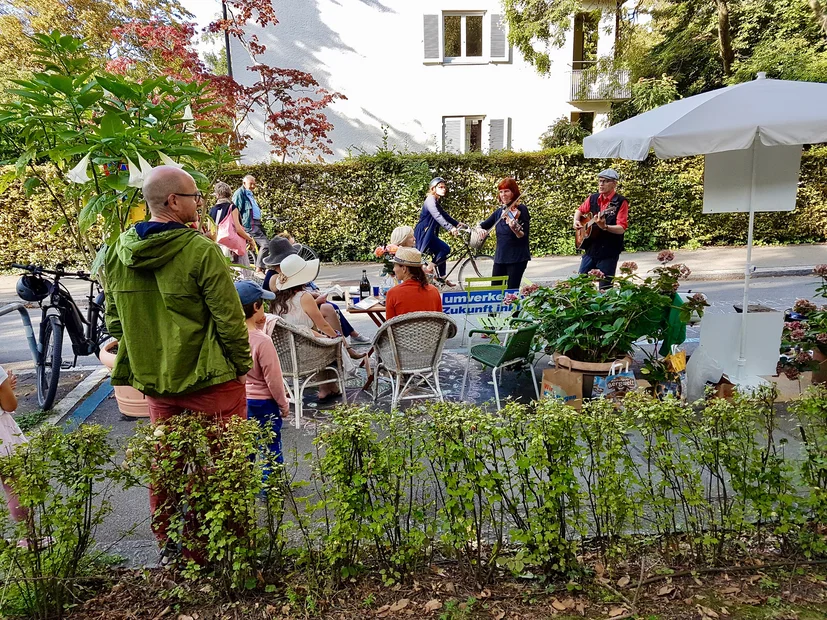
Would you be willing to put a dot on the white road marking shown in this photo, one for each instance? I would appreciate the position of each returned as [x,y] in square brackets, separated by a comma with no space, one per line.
[73,397]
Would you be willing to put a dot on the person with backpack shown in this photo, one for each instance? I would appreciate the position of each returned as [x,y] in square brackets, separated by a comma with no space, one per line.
[229,233]
[610,212]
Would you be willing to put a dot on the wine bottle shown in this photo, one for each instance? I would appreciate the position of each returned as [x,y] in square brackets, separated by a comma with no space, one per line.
[364,285]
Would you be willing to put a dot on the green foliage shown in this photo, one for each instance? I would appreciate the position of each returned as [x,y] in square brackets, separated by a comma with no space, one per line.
[209,468]
[346,209]
[562,133]
[580,321]
[64,481]
[781,37]
[524,491]
[535,26]
[648,94]
[72,116]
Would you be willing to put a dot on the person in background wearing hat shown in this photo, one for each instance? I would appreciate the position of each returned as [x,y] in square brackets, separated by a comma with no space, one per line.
[278,249]
[266,399]
[413,294]
[604,251]
[511,224]
[431,219]
[297,306]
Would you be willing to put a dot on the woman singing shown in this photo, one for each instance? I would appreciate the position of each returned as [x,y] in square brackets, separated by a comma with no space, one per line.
[511,223]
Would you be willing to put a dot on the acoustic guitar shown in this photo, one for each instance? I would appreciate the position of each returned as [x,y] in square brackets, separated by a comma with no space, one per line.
[584,237]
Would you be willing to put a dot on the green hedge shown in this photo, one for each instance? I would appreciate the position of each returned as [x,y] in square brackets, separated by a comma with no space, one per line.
[344,210]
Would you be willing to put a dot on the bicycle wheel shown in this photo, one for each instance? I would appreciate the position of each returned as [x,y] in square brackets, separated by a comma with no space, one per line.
[308,254]
[48,367]
[481,266]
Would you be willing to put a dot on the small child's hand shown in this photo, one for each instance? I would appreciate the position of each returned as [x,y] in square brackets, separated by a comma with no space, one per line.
[12,380]
[285,412]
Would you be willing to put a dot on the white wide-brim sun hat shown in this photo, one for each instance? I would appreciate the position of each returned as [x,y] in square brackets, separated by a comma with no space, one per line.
[296,271]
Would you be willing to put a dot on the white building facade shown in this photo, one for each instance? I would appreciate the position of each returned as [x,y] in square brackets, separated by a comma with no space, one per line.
[434,75]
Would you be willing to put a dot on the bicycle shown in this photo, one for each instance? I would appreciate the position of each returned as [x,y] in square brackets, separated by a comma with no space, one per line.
[58,312]
[473,265]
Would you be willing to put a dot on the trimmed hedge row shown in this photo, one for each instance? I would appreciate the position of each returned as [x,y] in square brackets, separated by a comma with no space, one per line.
[344,210]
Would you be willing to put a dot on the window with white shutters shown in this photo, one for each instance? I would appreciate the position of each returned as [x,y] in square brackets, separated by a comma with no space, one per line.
[465,37]
[465,134]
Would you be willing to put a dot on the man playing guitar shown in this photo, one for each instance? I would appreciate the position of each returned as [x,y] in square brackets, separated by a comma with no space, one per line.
[609,214]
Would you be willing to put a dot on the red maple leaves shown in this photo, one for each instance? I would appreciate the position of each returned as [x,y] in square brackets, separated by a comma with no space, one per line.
[290,102]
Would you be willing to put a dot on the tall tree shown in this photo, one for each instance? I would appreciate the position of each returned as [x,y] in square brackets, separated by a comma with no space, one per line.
[92,20]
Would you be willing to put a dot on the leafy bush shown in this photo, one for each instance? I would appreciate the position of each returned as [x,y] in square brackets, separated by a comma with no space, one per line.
[562,133]
[346,209]
[526,491]
[64,481]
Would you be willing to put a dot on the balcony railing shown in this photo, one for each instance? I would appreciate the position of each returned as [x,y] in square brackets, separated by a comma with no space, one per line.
[598,84]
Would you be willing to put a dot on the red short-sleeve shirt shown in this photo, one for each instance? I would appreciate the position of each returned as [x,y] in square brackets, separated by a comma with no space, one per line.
[603,202]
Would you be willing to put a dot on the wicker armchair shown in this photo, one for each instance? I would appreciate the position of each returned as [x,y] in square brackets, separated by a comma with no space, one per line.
[303,358]
[409,347]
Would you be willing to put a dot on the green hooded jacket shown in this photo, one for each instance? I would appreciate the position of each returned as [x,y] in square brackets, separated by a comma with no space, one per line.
[171,303]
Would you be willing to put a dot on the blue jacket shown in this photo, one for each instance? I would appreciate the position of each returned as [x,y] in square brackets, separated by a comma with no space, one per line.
[431,219]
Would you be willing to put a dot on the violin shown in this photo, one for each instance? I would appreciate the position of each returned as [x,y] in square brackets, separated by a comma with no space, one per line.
[510,217]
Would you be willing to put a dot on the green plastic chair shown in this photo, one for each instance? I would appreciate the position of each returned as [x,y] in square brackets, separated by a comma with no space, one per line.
[517,350]
[479,285]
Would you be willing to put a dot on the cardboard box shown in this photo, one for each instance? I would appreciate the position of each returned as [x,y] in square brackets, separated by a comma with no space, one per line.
[790,389]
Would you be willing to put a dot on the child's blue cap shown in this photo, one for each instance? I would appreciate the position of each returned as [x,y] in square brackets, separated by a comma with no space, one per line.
[250,292]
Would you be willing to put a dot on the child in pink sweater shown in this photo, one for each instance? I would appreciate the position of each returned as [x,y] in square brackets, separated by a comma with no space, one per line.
[266,399]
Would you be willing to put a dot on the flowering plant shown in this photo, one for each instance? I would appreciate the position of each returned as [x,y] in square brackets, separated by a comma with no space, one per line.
[590,325]
[805,332]
[386,253]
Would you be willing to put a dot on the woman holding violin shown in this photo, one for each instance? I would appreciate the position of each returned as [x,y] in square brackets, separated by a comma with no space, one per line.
[511,223]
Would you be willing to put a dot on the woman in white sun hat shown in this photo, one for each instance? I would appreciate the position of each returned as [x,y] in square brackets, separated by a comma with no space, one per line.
[298,307]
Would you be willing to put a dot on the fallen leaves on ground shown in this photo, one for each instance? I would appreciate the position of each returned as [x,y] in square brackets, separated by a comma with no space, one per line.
[623,581]
[707,612]
[666,590]
[433,605]
[614,612]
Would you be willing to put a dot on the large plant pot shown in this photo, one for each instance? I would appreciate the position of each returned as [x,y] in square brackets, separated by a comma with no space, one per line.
[589,370]
[131,402]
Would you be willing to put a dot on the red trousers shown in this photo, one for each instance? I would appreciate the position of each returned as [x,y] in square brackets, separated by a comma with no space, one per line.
[220,402]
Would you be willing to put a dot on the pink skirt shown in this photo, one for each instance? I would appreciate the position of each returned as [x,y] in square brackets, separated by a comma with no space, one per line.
[10,434]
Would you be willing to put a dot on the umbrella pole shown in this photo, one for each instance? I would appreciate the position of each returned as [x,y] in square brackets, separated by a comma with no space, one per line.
[742,359]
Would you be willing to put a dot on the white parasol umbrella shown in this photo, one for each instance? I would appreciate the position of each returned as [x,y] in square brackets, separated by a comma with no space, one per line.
[780,114]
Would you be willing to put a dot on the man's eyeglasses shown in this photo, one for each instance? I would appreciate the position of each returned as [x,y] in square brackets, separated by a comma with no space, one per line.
[197,195]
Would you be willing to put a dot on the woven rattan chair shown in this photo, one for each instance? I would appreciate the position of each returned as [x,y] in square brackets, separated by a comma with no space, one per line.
[516,351]
[408,348]
[303,359]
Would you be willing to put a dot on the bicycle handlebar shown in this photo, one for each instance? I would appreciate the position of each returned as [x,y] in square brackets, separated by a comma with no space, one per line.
[37,269]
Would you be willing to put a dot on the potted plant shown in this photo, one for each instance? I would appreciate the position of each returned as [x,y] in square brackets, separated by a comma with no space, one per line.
[597,328]
[804,337]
